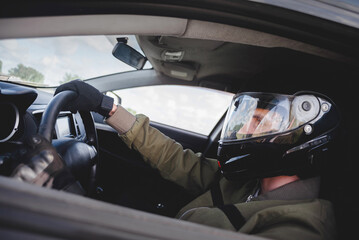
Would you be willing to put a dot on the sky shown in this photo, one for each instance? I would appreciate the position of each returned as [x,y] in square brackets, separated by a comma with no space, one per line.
[85,56]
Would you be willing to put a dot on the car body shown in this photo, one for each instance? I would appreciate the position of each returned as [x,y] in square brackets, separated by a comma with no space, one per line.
[227,46]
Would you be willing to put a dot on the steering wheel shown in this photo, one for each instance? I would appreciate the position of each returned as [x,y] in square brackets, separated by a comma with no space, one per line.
[80,156]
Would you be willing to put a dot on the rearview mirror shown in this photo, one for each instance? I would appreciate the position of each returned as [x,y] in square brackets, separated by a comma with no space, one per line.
[129,55]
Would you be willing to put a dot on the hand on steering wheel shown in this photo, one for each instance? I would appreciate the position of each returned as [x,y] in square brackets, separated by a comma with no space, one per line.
[88,98]
[38,162]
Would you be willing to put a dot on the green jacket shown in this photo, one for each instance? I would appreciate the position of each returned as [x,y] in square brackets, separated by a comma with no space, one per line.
[292,211]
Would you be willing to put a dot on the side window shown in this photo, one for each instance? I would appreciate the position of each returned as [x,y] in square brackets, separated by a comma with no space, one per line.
[194,109]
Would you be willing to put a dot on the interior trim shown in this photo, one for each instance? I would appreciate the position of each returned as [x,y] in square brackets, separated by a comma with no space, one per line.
[90,25]
[228,33]
[150,25]
[337,11]
[64,215]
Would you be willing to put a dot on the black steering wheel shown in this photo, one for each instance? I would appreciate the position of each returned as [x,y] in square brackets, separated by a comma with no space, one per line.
[80,155]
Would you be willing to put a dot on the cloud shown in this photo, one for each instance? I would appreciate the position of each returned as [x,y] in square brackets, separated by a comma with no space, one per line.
[100,43]
[64,46]
[12,53]
[9,44]
[50,60]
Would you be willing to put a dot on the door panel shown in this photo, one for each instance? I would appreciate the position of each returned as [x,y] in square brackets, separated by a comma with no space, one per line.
[124,178]
[195,142]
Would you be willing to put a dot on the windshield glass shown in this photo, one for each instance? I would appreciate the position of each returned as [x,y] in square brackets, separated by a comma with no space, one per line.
[52,61]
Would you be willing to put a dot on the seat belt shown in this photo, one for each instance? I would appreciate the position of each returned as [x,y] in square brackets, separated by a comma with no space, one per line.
[216,192]
[233,214]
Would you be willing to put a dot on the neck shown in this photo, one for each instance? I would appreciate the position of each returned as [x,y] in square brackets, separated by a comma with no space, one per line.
[271,183]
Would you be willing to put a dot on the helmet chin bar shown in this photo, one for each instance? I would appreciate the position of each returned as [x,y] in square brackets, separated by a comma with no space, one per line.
[249,160]
[261,160]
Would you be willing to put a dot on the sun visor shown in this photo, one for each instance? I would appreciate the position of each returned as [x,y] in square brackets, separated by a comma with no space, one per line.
[109,24]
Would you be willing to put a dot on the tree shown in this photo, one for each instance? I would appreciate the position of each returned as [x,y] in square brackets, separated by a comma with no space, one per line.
[69,77]
[27,73]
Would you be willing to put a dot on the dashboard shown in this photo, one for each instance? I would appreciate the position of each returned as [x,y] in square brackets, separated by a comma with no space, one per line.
[73,136]
[68,125]
[22,108]
[10,123]
[64,127]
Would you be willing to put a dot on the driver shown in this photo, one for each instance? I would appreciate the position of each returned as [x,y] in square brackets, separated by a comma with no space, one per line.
[270,155]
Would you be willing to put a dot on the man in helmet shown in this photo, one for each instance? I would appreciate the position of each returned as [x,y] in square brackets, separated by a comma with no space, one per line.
[265,181]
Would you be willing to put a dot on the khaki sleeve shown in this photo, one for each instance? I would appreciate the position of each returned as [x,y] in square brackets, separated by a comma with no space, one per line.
[184,167]
[121,120]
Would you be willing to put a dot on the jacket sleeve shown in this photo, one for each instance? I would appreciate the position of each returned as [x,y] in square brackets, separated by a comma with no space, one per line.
[184,167]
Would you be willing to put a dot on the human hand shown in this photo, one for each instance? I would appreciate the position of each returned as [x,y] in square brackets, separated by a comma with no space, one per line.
[88,98]
[36,162]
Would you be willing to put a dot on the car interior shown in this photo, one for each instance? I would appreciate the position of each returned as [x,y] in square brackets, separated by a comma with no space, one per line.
[220,55]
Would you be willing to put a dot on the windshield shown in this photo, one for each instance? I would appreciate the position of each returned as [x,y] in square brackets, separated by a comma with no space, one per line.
[52,61]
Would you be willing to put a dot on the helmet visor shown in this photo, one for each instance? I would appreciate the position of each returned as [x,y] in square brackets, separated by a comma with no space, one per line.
[258,114]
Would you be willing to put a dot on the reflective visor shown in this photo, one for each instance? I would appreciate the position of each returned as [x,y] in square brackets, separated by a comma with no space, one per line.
[258,114]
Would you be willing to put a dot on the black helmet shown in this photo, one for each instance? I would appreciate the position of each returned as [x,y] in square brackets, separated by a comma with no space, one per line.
[266,134]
